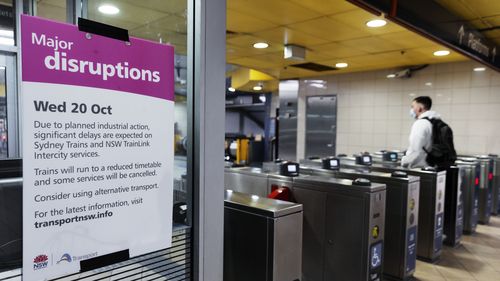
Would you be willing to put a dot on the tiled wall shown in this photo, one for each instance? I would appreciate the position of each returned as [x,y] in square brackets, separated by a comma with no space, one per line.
[373,111]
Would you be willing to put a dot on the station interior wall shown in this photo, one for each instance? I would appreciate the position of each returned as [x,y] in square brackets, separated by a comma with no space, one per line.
[373,110]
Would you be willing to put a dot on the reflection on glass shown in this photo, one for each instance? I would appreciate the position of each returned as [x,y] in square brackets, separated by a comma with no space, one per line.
[163,22]
[3,115]
[51,9]
[6,23]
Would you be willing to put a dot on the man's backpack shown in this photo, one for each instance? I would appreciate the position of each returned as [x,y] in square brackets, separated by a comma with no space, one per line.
[442,153]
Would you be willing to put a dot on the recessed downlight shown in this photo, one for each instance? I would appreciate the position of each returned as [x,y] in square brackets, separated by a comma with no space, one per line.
[6,33]
[391,75]
[441,53]
[257,88]
[479,69]
[376,23]
[260,45]
[341,65]
[108,9]
[231,89]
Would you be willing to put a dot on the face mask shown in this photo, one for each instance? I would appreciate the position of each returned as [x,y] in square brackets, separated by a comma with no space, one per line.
[413,114]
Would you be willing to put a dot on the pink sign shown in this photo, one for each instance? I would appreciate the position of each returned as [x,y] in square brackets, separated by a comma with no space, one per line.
[61,54]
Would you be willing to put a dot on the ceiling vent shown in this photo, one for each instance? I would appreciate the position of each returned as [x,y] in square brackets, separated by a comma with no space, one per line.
[314,66]
[294,52]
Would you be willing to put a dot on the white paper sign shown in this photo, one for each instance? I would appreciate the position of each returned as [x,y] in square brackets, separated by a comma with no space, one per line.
[97,147]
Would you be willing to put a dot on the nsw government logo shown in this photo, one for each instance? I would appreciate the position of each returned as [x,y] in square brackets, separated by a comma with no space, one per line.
[65,258]
[40,262]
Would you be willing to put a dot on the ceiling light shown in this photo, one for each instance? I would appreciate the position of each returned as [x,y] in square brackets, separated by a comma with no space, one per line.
[428,84]
[7,41]
[6,33]
[257,88]
[376,23]
[318,85]
[231,89]
[260,45]
[108,9]
[391,75]
[479,69]
[341,65]
[441,53]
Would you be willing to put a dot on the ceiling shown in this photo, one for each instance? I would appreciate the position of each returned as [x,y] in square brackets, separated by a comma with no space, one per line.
[156,20]
[331,30]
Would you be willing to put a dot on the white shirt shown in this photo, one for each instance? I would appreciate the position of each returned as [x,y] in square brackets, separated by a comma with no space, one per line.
[420,137]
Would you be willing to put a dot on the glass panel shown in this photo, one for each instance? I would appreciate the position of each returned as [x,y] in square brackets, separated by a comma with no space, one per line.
[6,23]
[3,115]
[51,9]
[164,22]
[10,190]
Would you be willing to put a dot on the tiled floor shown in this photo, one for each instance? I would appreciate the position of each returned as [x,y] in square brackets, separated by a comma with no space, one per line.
[477,259]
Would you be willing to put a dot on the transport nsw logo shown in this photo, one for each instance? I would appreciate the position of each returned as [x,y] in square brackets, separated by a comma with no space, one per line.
[40,262]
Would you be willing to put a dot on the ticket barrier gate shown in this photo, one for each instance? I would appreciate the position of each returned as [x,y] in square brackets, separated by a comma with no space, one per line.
[453,214]
[343,228]
[386,157]
[401,215]
[453,206]
[470,193]
[335,246]
[496,184]
[432,193]
[485,186]
[262,238]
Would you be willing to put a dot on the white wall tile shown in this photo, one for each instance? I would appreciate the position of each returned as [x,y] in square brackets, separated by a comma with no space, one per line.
[342,100]
[342,126]
[380,126]
[394,141]
[476,144]
[443,81]
[494,94]
[394,112]
[461,79]
[480,79]
[478,112]
[494,78]
[367,126]
[380,112]
[459,127]
[443,68]
[355,126]
[395,84]
[373,110]
[395,98]
[442,96]
[462,66]
[404,143]
[460,112]
[380,140]
[380,99]
[354,113]
[461,96]
[444,110]
[480,95]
